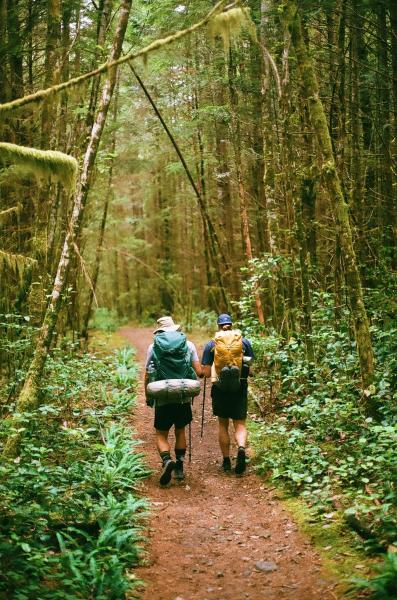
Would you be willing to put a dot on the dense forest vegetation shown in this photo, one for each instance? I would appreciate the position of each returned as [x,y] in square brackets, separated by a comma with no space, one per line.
[204,157]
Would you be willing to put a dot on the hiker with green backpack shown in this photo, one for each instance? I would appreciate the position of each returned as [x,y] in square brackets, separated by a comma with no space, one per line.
[226,359]
[172,368]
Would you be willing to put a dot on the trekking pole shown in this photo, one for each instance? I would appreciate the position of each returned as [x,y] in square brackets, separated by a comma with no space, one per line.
[202,411]
[190,443]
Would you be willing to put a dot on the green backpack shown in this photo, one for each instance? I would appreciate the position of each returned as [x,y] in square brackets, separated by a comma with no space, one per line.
[171,357]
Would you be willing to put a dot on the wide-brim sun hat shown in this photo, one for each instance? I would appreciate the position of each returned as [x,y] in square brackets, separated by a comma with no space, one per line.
[166,324]
[224,319]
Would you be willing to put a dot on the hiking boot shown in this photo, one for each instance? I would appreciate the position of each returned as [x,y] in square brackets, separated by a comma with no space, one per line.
[178,471]
[166,473]
[226,465]
[240,462]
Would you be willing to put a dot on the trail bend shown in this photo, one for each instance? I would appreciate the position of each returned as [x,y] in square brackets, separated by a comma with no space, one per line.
[207,534]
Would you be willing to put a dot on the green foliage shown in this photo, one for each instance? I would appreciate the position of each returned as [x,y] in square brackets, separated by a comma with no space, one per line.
[71,519]
[205,319]
[313,436]
[17,334]
[384,585]
[105,319]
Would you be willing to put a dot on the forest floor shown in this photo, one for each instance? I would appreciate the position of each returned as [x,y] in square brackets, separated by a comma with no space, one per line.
[216,536]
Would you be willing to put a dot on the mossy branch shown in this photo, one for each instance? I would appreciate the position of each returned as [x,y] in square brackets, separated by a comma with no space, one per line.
[40,95]
[42,163]
[9,211]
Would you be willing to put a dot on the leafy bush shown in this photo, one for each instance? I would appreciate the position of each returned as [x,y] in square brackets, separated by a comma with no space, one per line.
[205,319]
[70,517]
[312,434]
[384,585]
[17,334]
[105,319]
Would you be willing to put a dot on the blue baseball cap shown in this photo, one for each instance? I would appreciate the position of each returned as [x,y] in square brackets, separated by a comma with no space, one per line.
[224,320]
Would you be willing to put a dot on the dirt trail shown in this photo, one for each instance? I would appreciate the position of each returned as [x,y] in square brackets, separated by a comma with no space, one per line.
[207,534]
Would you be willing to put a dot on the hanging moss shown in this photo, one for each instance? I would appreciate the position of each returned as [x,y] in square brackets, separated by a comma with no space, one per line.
[41,163]
[16,263]
[229,25]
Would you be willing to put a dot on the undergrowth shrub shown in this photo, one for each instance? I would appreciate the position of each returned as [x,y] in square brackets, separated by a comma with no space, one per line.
[105,319]
[384,585]
[310,432]
[70,514]
[205,320]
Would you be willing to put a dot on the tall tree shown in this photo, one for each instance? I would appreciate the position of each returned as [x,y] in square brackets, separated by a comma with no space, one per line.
[28,398]
[339,205]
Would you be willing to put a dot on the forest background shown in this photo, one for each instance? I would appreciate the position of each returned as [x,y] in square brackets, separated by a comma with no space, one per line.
[248,167]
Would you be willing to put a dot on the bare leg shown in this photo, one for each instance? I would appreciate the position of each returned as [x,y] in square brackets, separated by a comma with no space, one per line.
[223,436]
[180,439]
[162,441]
[240,432]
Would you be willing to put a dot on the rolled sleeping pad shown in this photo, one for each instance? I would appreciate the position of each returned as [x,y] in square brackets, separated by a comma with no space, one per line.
[173,391]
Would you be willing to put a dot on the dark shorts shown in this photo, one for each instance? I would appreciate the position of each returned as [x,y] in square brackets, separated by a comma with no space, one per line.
[230,406]
[168,415]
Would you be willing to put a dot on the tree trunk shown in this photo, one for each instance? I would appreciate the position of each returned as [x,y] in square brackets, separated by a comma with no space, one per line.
[340,208]
[28,398]
[4,88]
[304,261]
[357,192]
[15,52]
[101,236]
[52,72]
[236,135]
[388,211]
[393,22]
[104,15]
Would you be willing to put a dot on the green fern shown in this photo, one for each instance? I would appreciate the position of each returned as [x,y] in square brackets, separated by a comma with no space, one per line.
[382,586]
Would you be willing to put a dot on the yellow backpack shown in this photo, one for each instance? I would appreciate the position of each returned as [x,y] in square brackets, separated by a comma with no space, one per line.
[228,358]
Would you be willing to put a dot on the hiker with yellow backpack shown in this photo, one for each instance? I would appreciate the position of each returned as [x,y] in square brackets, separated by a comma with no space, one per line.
[226,359]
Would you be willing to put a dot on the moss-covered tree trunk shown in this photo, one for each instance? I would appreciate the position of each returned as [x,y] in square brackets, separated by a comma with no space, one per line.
[242,196]
[28,399]
[339,205]
[387,208]
[4,87]
[52,71]
[393,24]
[304,261]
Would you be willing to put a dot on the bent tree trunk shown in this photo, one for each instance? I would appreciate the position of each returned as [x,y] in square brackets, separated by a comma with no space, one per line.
[341,212]
[28,399]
